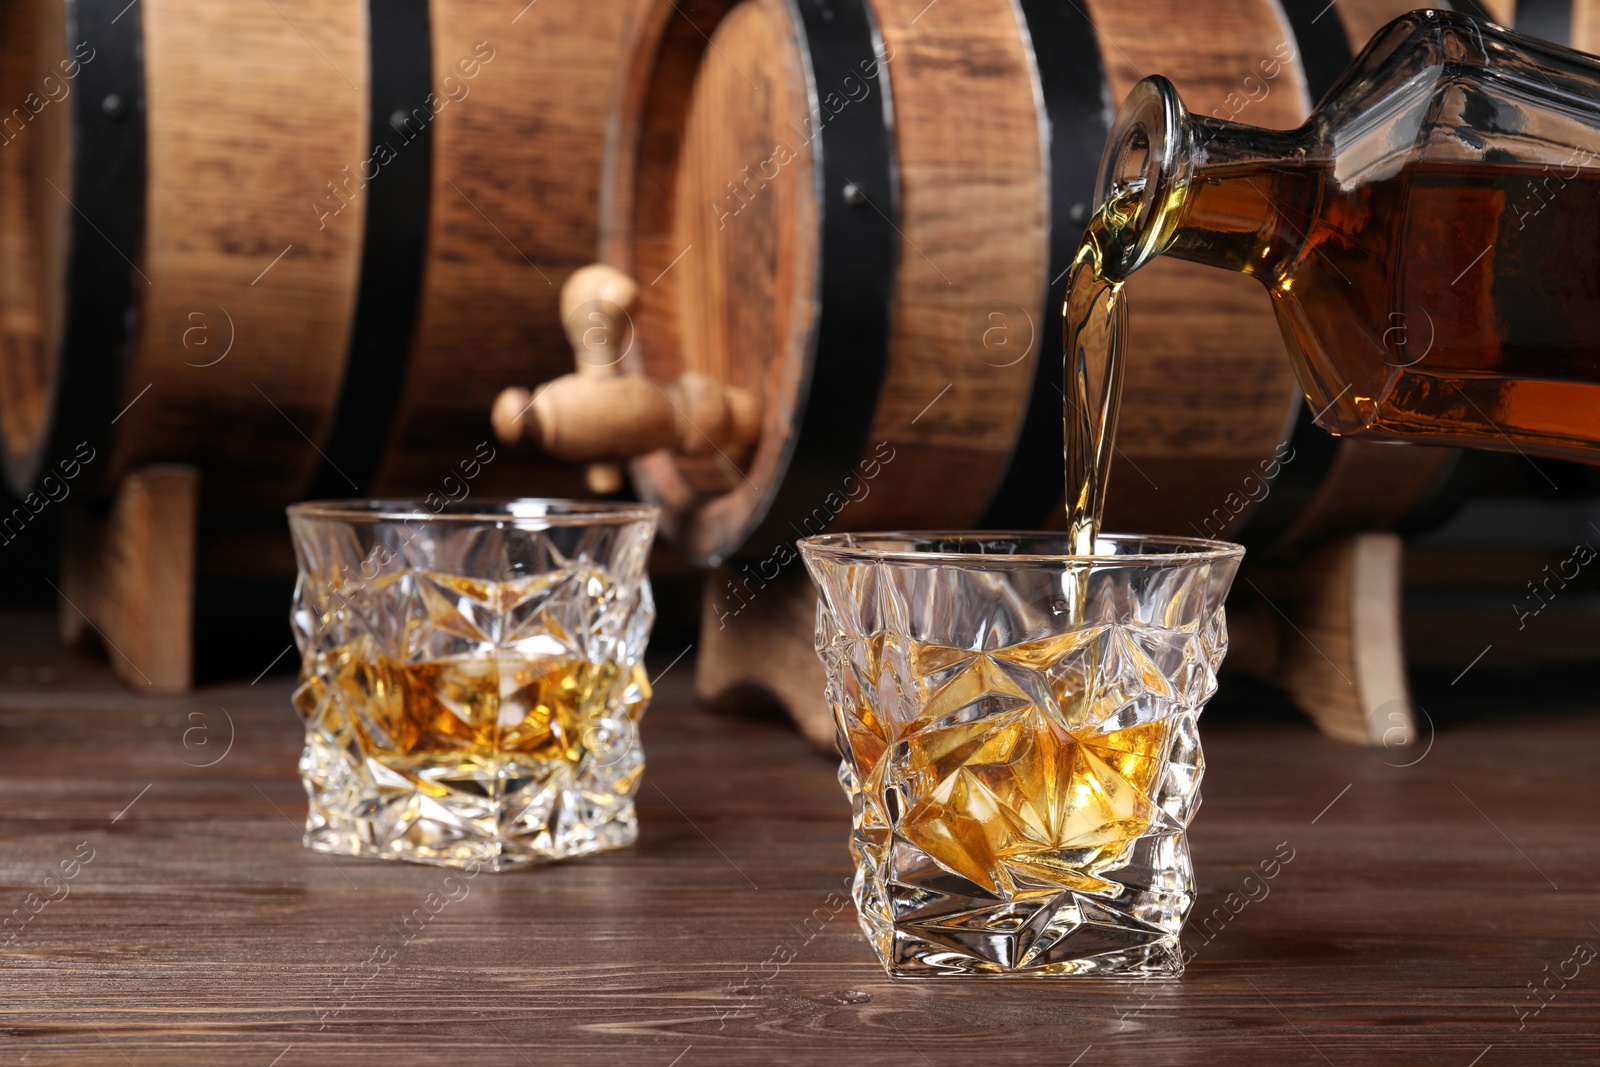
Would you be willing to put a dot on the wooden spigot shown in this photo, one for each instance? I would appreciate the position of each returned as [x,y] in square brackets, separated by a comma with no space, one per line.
[586,418]
[598,415]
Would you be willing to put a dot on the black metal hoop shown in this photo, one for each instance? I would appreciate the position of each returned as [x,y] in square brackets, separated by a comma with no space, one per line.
[858,197]
[393,246]
[103,238]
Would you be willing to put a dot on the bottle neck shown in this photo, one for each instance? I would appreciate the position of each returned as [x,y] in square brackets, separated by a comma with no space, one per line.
[1233,210]
[1192,187]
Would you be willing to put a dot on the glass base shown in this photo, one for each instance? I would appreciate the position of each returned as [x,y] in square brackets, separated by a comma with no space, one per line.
[333,842]
[909,956]
[946,927]
[511,819]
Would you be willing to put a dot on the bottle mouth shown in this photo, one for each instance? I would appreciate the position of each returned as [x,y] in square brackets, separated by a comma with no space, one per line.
[1144,174]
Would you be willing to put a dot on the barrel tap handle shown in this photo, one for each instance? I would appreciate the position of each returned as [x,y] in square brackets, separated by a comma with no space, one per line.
[599,416]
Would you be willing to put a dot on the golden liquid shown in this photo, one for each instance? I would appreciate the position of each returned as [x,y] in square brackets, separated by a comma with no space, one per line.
[1024,794]
[1095,332]
[478,716]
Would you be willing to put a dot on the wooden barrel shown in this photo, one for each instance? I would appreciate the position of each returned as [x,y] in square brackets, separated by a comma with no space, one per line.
[862,213]
[756,191]
[301,244]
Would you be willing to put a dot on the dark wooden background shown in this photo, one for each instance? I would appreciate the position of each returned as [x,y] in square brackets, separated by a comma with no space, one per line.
[1420,903]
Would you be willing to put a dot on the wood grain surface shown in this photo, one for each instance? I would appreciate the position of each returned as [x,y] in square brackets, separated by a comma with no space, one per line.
[1419,903]
[35,148]
[974,232]
[127,578]
[251,111]
[1586,26]
[516,167]
[739,309]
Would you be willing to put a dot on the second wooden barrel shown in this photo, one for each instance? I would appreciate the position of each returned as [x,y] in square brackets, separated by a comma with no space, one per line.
[301,244]
[862,211]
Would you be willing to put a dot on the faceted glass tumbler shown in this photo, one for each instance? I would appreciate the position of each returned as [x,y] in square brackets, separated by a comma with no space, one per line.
[471,678]
[1020,746]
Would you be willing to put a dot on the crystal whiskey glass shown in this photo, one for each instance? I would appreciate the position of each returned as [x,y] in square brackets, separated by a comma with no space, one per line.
[1019,736]
[471,682]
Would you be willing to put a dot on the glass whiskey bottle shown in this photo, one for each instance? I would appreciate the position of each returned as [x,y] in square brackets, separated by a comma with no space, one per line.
[1430,237]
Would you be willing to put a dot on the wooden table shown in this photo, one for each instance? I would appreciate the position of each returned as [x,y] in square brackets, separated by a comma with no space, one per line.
[1420,903]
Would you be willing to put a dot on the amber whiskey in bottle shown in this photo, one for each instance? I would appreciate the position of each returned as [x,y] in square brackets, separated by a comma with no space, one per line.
[1430,237]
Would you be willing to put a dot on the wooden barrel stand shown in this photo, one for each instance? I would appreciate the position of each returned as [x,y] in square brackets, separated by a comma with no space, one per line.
[127,578]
